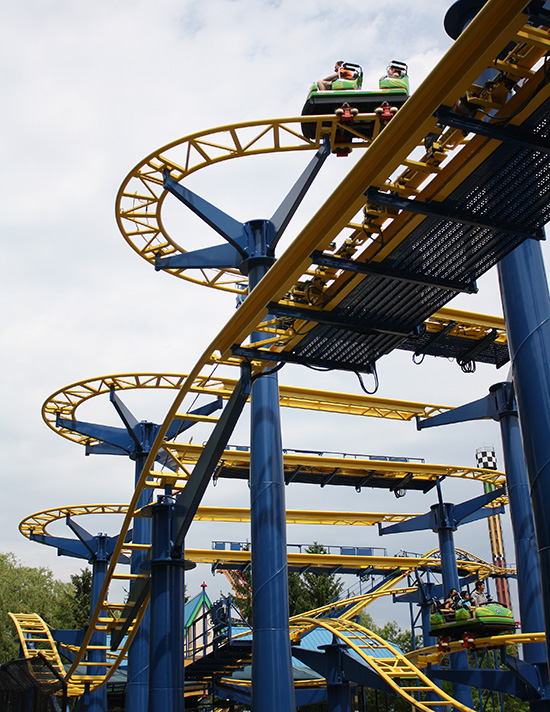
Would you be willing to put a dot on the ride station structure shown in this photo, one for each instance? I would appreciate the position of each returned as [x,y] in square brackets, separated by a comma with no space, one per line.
[450,184]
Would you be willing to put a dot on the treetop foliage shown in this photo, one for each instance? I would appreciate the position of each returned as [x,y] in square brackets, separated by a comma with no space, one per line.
[26,589]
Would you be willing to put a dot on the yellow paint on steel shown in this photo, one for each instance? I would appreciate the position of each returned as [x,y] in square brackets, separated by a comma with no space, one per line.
[65,402]
[141,197]
[312,561]
[354,605]
[301,516]
[432,654]
[392,666]
[406,130]
[36,524]
[188,454]
[467,325]
[36,639]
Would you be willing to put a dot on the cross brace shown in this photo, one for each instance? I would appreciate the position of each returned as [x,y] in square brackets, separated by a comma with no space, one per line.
[507,134]
[361,326]
[446,212]
[288,357]
[398,275]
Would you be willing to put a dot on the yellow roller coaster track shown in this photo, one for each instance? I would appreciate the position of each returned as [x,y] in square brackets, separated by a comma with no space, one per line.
[357,468]
[36,639]
[141,197]
[35,636]
[392,666]
[66,401]
[37,523]
[433,654]
[395,152]
[354,605]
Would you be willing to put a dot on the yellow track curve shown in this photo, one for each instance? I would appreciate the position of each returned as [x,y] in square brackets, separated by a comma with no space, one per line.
[392,666]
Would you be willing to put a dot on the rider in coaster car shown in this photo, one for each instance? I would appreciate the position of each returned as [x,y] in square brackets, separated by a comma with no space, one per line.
[395,77]
[340,72]
[450,604]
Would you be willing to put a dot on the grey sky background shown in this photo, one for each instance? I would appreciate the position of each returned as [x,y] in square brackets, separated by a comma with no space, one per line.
[88,91]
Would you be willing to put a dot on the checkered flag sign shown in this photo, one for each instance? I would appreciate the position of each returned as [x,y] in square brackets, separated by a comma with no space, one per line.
[486,457]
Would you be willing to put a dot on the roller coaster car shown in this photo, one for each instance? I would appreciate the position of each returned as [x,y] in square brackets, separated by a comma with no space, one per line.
[347,95]
[490,619]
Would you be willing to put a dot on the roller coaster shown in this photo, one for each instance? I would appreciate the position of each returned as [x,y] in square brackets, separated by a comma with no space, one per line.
[454,184]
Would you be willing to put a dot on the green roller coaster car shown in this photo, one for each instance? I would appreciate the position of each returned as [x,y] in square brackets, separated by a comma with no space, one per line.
[393,91]
[489,619]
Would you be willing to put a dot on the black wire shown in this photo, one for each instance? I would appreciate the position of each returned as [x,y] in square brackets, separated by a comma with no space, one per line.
[467,366]
[506,119]
[302,333]
[269,372]
[322,369]
[362,384]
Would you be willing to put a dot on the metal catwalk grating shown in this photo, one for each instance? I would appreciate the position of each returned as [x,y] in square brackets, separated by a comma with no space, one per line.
[513,187]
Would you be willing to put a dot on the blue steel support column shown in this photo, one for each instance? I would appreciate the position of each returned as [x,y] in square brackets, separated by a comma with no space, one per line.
[500,405]
[428,640]
[526,305]
[521,514]
[98,698]
[338,688]
[459,660]
[137,691]
[167,672]
[272,681]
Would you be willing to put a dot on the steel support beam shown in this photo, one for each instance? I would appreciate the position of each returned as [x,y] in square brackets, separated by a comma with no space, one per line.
[446,211]
[521,514]
[526,305]
[98,698]
[507,134]
[340,322]
[444,518]
[373,268]
[500,405]
[251,247]
[251,354]
[272,678]
[137,688]
[188,501]
[166,653]
[458,661]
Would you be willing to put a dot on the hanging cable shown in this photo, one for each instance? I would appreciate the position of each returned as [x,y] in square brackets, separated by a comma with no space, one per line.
[362,383]
[268,372]
[467,366]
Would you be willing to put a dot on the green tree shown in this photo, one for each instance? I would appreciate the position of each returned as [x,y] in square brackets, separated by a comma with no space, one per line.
[241,582]
[306,591]
[312,590]
[24,589]
[391,632]
[79,599]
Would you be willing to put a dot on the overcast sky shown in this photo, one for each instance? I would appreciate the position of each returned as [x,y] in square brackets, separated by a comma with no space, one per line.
[88,90]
